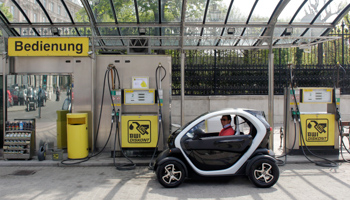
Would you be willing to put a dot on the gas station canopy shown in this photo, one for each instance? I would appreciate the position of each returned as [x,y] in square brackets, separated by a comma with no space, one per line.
[177,24]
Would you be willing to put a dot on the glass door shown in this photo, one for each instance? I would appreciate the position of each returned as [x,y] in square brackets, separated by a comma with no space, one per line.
[39,97]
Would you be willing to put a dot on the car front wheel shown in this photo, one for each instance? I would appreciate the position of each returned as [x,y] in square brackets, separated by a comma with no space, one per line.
[171,174]
[264,173]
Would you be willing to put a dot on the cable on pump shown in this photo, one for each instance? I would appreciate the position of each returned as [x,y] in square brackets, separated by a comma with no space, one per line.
[115,119]
[159,101]
[281,162]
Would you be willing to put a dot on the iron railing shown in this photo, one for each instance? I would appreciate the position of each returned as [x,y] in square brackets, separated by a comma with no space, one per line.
[253,79]
[245,72]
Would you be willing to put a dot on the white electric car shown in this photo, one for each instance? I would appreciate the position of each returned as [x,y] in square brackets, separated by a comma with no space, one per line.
[196,149]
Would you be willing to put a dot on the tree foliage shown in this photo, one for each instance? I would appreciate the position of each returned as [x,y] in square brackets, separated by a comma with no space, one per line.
[6,11]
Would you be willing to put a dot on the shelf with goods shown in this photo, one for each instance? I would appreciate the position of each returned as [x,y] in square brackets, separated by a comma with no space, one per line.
[19,140]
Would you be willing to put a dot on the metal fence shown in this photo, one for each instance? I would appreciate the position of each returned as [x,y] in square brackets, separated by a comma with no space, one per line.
[253,79]
[245,72]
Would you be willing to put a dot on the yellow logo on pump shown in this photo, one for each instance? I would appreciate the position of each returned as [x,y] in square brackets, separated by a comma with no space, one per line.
[317,130]
[139,131]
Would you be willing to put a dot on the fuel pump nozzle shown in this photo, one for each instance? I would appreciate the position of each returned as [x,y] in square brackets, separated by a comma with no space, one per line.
[294,115]
[117,115]
[113,115]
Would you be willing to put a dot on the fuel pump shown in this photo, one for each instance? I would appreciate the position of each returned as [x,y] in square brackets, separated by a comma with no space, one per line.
[139,115]
[314,108]
[310,121]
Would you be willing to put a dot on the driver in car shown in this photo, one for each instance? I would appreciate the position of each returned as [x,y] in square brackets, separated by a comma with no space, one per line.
[226,124]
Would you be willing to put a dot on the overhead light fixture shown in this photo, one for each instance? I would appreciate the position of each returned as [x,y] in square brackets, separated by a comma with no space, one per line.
[142,31]
[289,31]
[55,31]
[304,45]
[231,31]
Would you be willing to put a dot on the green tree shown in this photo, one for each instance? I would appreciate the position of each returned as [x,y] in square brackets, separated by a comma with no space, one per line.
[148,10]
[6,11]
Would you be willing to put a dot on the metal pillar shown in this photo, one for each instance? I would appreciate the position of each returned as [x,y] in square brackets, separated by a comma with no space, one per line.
[184,4]
[342,41]
[182,89]
[271,97]
[93,77]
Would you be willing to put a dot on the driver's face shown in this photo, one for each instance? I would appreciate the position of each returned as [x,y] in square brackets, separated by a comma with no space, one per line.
[225,121]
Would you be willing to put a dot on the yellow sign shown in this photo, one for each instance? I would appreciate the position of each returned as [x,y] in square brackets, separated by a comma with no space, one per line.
[48,46]
[140,131]
[318,130]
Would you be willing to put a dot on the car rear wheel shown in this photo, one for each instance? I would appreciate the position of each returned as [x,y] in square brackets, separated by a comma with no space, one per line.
[264,173]
[171,174]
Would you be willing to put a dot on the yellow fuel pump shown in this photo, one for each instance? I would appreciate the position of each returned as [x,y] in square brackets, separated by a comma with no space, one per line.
[140,114]
[140,130]
[315,109]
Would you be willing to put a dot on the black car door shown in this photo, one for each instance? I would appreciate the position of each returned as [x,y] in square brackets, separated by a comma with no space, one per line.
[217,152]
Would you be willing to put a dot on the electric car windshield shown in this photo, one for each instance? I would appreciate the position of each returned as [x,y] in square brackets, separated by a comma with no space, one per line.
[199,128]
[177,131]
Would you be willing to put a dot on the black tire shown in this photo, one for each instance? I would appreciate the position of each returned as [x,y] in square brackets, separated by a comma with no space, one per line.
[171,174]
[264,173]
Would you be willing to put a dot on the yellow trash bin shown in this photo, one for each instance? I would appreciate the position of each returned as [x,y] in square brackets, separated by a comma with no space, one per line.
[77,135]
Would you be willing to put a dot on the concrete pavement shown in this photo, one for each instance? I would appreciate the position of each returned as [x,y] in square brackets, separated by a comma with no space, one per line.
[296,181]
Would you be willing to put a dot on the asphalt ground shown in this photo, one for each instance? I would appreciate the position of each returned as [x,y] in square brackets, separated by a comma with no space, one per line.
[296,181]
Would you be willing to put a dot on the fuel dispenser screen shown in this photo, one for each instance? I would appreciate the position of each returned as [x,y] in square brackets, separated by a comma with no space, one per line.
[317,95]
[139,131]
[139,97]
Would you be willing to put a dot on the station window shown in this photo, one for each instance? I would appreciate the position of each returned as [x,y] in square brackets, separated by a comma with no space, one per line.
[59,10]
[13,10]
[51,6]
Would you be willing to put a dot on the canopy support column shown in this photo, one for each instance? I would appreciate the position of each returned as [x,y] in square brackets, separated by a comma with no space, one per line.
[184,4]
[271,96]
[182,88]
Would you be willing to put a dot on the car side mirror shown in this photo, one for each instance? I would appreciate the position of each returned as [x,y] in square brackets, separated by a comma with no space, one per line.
[197,134]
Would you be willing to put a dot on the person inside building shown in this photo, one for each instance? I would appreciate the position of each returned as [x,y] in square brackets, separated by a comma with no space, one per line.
[57,93]
[226,124]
